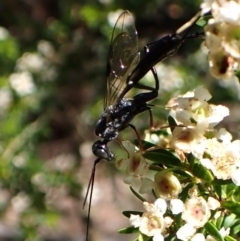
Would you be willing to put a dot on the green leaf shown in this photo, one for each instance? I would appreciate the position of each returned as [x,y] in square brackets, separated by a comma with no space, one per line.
[230,190]
[221,182]
[235,229]
[184,194]
[172,123]
[183,173]
[137,195]
[236,194]
[232,206]
[143,237]
[219,223]
[238,75]
[128,213]
[201,172]
[154,194]
[146,145]
[229,238]
[128,230]
[203,20]
[213,231]
[229,220]
[218,190]
[162,156]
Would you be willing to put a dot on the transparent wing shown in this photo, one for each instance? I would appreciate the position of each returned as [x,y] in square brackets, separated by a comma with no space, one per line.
[122,58]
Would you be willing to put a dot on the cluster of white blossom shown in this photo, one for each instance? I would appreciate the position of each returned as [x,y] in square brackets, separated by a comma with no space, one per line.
[193,134]
[156,221]
[198,119]
[29,64]
[222,36]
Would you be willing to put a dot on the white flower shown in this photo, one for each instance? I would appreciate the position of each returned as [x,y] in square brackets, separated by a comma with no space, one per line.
[135,220]
[176,206]
[105,1]
[186,232]
[197,116]
[192,105]
[212,38]
[31,62]
[217,215]
[3,33]
[196,212]
[230,40]
[193,192]
[167,185]
[216,114]
[46,48]
[147,185]
[21,202]
[224,156]
[213,203]
[222,37]
[160,205]
[6,98]
[198,237]
[187,139]
[136,169]
[210,238]
[158,237]
[224,232]
[236,176]
[22,83]
[171,79]
[221,64]
[152,222]
[206,6]
[227,11]
[224,136]
[5,195]
[135,165]
[202,94]
[168,221]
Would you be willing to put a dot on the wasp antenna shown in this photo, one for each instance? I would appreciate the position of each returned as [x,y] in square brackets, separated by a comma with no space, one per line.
[90,187]
[91,183]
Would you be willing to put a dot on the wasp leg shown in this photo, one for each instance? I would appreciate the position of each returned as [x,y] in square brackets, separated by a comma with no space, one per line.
[138,137]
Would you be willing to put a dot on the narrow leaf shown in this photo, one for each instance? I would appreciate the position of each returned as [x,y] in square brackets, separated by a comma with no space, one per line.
[229,238]
[213,231]
[172,123]
[128,230]
[201,172]
[231,206]
[137,195]
[229,220]
[162,157]
[219,223]
[128,213]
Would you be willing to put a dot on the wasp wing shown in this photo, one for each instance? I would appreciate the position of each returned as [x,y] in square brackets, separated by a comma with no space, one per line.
[122,58]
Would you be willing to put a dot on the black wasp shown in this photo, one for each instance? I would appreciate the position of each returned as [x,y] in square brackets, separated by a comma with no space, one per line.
[125,69]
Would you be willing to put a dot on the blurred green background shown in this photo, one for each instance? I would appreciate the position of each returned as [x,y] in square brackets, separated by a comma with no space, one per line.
[52,79]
